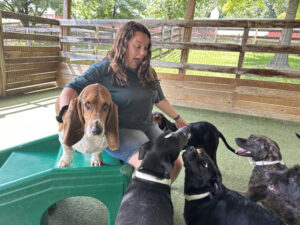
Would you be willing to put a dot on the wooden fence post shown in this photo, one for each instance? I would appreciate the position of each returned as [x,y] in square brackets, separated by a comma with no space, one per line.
[242,52]
[97,32]
[2,61]
[162,38]
[65,31]
[190,11]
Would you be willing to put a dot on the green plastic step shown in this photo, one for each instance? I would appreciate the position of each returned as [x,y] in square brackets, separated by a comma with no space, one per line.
[84,160]
[30,183]
[25,164]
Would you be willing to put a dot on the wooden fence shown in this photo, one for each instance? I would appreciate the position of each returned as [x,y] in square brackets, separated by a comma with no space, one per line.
[30,60]
[239,93]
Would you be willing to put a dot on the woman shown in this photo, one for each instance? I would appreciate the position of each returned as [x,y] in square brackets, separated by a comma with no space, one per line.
[133,84]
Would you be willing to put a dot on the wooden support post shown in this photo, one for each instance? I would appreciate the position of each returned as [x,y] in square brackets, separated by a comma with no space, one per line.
[242,52]
[255,38]
[66,30]
[216,35]
[162,39]
[180,34]
[2,62]
[96,36]
[190,10]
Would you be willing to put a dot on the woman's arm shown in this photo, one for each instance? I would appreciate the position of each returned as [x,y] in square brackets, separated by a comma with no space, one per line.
[166,107]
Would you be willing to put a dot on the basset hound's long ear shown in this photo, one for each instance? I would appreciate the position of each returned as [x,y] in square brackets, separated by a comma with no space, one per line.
[74,124]
[112,128]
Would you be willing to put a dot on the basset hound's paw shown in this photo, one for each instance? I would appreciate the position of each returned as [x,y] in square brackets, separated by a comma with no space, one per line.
[96,160]
[61,163]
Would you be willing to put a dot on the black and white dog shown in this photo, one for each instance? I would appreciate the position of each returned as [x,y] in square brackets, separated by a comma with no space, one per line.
[209,202]
[147,200]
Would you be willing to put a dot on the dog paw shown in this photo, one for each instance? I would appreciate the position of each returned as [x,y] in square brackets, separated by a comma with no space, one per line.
[62,163]
[96,160]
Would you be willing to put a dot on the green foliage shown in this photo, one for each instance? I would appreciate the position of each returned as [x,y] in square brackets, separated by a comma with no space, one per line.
[107,9]
[31,7]
[253,8]
[204,8]
[166,9]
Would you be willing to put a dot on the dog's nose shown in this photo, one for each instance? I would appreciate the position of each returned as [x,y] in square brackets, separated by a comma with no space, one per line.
[97,130]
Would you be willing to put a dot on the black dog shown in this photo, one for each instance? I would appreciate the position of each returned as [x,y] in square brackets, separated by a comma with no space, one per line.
[204,135]
[147,199]
[266,156]
[283,194]
[209,202]
[298,135]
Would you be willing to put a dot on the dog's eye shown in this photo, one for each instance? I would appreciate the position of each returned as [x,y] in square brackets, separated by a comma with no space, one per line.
[88,105]
[105,106]
[205,165]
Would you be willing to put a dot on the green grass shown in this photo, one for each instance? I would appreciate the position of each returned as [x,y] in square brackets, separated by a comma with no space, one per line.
[217,58]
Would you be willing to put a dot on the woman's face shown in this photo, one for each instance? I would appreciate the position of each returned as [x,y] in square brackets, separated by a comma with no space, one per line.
[137,50]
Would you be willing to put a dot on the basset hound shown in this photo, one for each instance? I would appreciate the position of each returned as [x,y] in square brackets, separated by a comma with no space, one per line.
[90,124]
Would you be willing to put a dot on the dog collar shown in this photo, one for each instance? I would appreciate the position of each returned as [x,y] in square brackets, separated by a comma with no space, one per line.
[196,197]
[264,163]
[152,178]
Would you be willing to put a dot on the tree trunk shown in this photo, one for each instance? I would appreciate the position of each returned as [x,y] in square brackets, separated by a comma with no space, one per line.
[280,61]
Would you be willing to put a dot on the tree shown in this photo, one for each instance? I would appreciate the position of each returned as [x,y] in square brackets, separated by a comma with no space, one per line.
[280,61]
[166,9]
[203,8]
[31,7]
[253,8]
[107,9]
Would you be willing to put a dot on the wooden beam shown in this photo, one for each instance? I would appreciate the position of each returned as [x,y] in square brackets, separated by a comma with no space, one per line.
[242,53]
[66,30]
[2,62]
[190,11]
[197,46]
[32,48]
[33,19]
[40,37]
[250,23]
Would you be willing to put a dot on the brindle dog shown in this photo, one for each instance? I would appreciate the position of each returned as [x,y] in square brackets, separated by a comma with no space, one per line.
[283,195]
[266,157]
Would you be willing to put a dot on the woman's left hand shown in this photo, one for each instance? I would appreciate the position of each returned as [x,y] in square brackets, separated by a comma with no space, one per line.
[181,123]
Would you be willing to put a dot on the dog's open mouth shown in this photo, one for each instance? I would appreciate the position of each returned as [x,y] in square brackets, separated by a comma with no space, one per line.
[272,189]
[242,151]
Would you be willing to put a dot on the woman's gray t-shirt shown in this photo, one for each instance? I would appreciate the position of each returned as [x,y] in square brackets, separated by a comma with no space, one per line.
[135,103]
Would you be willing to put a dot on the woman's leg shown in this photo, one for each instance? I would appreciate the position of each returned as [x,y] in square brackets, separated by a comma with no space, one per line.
[130,142]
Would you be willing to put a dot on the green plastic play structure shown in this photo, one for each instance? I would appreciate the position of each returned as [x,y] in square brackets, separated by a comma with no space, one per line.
[30,183]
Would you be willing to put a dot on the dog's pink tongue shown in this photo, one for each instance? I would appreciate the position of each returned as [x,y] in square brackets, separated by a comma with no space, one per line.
[241,151]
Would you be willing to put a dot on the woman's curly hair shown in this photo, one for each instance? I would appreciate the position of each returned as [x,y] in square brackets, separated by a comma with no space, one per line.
[145,73]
